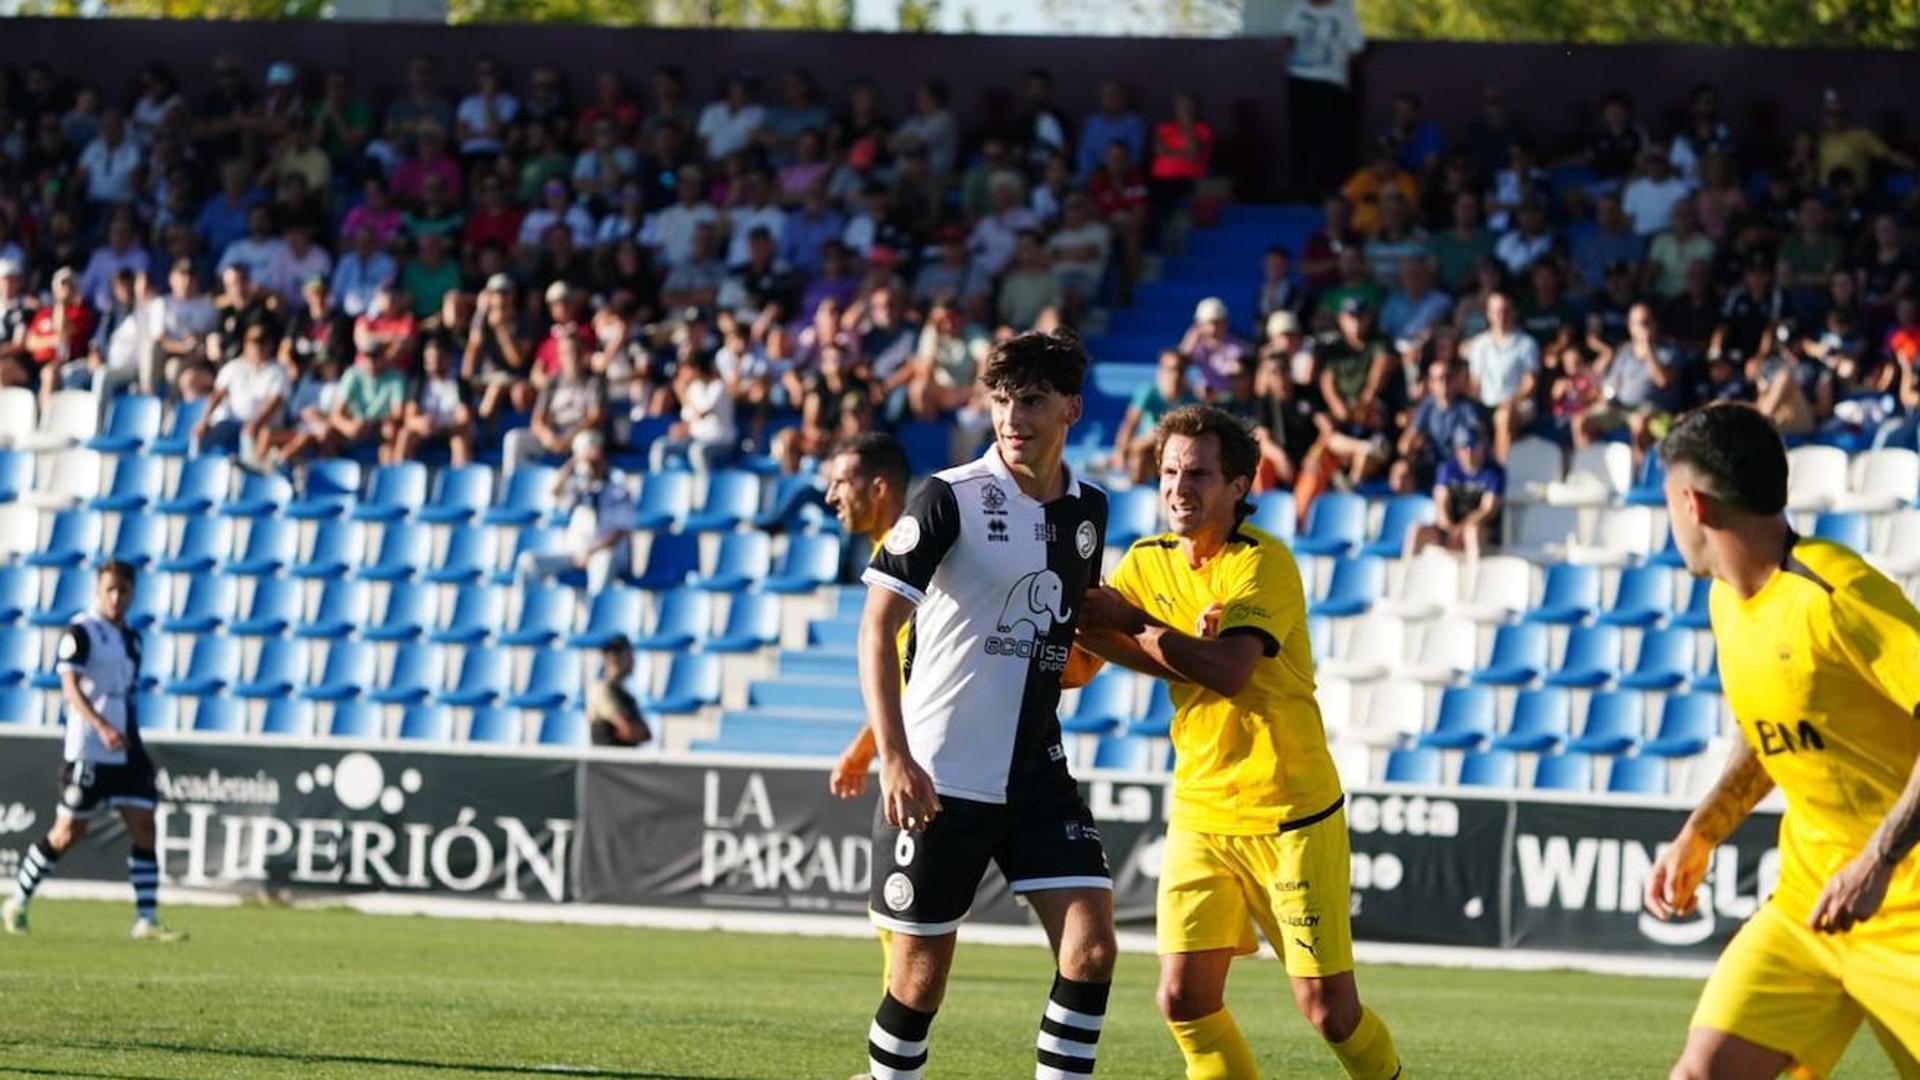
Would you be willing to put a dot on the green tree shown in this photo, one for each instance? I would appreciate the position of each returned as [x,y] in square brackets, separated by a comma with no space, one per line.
[1845,23]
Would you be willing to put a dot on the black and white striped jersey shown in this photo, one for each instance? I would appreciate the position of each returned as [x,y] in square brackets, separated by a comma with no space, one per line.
[107,659]
[998,579]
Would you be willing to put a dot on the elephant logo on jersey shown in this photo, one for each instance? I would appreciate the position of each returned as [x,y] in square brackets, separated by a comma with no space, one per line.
[1036,600]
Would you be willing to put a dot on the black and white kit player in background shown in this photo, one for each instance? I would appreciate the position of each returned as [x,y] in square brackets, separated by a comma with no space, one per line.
[990,562]
[105,763]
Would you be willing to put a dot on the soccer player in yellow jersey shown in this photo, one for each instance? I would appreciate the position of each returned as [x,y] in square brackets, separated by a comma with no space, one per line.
[1820,657]
[1258,834]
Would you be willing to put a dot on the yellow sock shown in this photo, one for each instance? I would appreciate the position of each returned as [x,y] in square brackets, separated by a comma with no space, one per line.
[1214,1048]
[886,959]
[1368,1053]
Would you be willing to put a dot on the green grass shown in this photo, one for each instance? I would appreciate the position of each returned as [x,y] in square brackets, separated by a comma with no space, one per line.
[264,993]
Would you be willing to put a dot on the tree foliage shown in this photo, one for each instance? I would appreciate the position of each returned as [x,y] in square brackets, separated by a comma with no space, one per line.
[1847,23]
[743,14]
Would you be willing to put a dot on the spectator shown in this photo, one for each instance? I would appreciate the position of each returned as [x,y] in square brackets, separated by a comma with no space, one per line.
[1615,148]
[361,272]
[1608,307]
[1279,291]
[1355,370]
[799,111]
[1750,314]
[572,402]
[187,320]
[613,714]
[120,253]
[421,106]
[1611,241]
[257,251]
[873,233]
[808,230]
[598,503]
[342,122]
[604,166]
[377,213]
[695,282]
[223,218]
[1321,38]
[1641,387]
[1492,133]
[493,221]
[1808,257]
[930,128]
[1398,239]
[1040,131]
[1704,136]
[1355,282]
[1548,313]
[1676,249]
[238,306]
[1435,427]
[557,210]
[386,330]
[706,434]
[315,330]
[1522,181]
[1182,156]
[728,125]
[1079,249]
[1211,345]
[1368,188]
[1411,312]
[752,210]
[954,278]
[1419,139]
[160,106]
[1720,199]
[437,410]
[1846,146]
[1283,428]
[296,259]
[1461,246]
[484,117]
[1467,496]
[1650,197]
[1133,442]
[1029,286]
[1691,318]
[247,396]
[946,365]
[109,167]
[1530,241]
[1113,123]
[57,333]
[670,106]
[1503,363]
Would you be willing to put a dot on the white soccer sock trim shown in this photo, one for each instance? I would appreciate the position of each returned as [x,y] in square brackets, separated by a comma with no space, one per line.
[1060,1014]
[1054,1044]
[1048,1072]
[893,1044]
[882,1072]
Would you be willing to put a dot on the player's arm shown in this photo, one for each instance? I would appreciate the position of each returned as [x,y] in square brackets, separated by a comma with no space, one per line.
[1678,872]
[1223,664]
[73,655]
[1119,648]
[849,777]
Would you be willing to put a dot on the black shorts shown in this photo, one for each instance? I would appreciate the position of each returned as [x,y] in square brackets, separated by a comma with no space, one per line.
[924,883]
[86,788]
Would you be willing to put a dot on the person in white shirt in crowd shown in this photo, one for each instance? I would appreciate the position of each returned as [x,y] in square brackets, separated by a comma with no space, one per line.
[1412,311]
[256,250]
[706,434]
[997,235]
[111,163]
[729,125]
[931,128]
[754,208]
[605,163]
[246,398]
[437,410]
[298,259]
[360,273]
[556,208]
[669,232]
[187,316]
[483,117]
[1321,38]
[122,251]
[1650,197]
[1503,364]
[1079,248]
[1530,241]
[601,511]
[623,220]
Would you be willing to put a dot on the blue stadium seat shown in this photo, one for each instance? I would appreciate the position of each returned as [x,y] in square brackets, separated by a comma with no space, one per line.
[342,610]
[219,716]
[766,732]
[1336,525]
[1519,656]
[496,727]
[19,654]
[16,474]
[212,667]
[1416,766]
[133,421]
[733,498]
[478,612]
[563,727]
[72,540]
[201,486]
[1157,721]
[1565,772]
[1688,722]
[1489,768]
[393,492]
[178,439]
[1105,703]
[140,540]
[1132,513]
[426,723]
[1845,527]
[290,717]
[1650,489]
[1465,720]
[416,674]
[348,672]
[530,540]
[156,659]
[1320,637]
[209,604]
[469,556]
[329,490]
[485,673]
[753,623]
[72,593]
[156,711]
[271,545]
[272,612]
[1356,583]
[546,614]
[19,707]
[1708,681]
[666,498]
[1695,615]
[405,548]
[19,587]
[744,558]
[1571,595]
[137,482]
[693,681]
[681,622]
[1665,660]
[1542,721]
[355,720]
[1273,514]
[460,494]
[1126,753]
[1645,596]
[205,542]
[1616,722]
[1668,555]
[1638,776]
[1592,658]
[260,495]
[527,499]
[796,500]
[407,614]
[337,548]
[812,560]
[1404,513]
[671,559]
[840,692]
[615,612]
[553,680]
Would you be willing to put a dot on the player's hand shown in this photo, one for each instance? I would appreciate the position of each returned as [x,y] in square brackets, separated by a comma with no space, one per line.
[113,739]
[907,793]
[1104,609]
[849,777]
[1674,881]
[1852,895]
[1208,625]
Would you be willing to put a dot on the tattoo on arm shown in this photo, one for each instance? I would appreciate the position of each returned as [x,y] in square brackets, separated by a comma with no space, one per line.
[1740,788]
[1899,831]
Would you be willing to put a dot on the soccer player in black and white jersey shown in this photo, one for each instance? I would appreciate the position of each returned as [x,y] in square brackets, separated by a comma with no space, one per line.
[990,562]
[105,764]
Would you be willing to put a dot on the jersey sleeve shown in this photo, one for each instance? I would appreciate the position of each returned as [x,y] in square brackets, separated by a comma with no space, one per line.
[1263,598]
[917,543]
[1878,631]
[75,648]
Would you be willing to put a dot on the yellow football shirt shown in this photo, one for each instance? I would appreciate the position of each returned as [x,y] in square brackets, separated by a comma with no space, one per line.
[1243,766]
[1821,669]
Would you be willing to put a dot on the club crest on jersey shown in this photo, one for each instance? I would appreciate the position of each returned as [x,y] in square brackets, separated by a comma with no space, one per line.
[898,892]
[993,500]
[1084,540]
[903,537]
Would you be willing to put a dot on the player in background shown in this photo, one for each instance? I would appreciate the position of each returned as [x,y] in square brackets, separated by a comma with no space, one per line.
[990,562]
[1820,659]
[105,763]
[1258,831]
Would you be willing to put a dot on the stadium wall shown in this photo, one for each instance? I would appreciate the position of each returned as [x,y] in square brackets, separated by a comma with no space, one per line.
[1554,90]
[1504,871]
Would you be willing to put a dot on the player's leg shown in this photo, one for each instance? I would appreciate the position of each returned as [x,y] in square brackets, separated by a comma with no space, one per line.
[1201,924]
[1776,1000]
[1716,1055]
[1192,999]
[1879,976]
[81,796]
[1080,922]
[143,867]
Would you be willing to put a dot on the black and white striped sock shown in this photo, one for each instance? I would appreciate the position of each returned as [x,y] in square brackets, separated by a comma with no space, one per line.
[35,865]
[1070,1030]
[143,873]
[897,1042]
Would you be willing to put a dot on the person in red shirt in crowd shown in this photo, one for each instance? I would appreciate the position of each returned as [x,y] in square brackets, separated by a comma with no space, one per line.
[57,333]
[493,220]
[563,309]
[377,213]
[386,331]
[1320,258]
[1119,197]
[429,158]
[1182,152]
[610,102]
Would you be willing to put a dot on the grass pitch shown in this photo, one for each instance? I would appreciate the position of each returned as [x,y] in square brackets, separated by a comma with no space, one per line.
[269,993]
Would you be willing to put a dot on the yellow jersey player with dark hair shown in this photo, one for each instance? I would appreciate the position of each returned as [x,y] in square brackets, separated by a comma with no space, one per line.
[1820,658]
[1258,831]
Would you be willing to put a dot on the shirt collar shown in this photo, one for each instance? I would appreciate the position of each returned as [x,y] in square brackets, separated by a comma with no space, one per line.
[998,467]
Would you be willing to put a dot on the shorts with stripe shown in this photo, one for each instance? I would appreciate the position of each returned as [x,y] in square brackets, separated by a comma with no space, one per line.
[86,788]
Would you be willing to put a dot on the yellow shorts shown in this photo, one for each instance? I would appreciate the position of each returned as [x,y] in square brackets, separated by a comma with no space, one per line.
[1782,986]
[1214,889]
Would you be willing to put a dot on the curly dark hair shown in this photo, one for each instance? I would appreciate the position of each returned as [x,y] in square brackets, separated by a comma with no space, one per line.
[1034,360]
[1736,453]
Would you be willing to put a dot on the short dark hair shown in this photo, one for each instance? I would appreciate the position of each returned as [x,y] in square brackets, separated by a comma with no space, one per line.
[1239,453]
[881,455]
[1737,454]
[616,644]
[115,568]
[1034,359]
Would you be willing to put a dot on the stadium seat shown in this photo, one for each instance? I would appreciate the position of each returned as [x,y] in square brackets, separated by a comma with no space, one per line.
[1415,766]
[415,675]
[615,612]
[672,558]
[1883,479]
[405,548]
[1899,552]
[527,499]
[19,654]
[338,546]
[530,540]
[1844,527]
[1668,554]
[1132,513]
[546,614]
[72,594]
[1448,650]
[1395,712]
[1532,464]
[426,723]
[833,692]
[563,727]
[156,658]
[329,490]
[1157,720]
[753,623]
[208,605]
[1571,595]
[812,560]
[1106,702]
[260,495]
[177,441]
[1502,588]
[270,547]
[1621,536]
[1816,475]
[666,498]
[733,499]
[342,610]
[201,486]
[1465,720]
[274,609]
[460,494]
[1403,514]
[693,682]
[355,720]
[156,711]
[1599,474]
[20,706]
[496,727]
[681,622]
[553,680]
[205,543]
[1616,722]
[73,477]
[1273,513]
[478,612]
[1123,753]
[1429,585]
[1665,660]
[290,717]
[136,485]
[1645,596]
[1638,776]
[212,667]
[1336,525]
[139,540]
[1519,656]
[1564,772]
[70,418]
[218,716]
[1688,722]
[1489,769]
[72,540]
[16,473]
[469,556]
[1542,721]
[744,559]
[1319,637]
[349,671]
[1375,647]
[1356,583]
[19,411]
[1592,658]
[1708,681]
[1650,490]
[1695,615]
[19,586]
[393,492]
